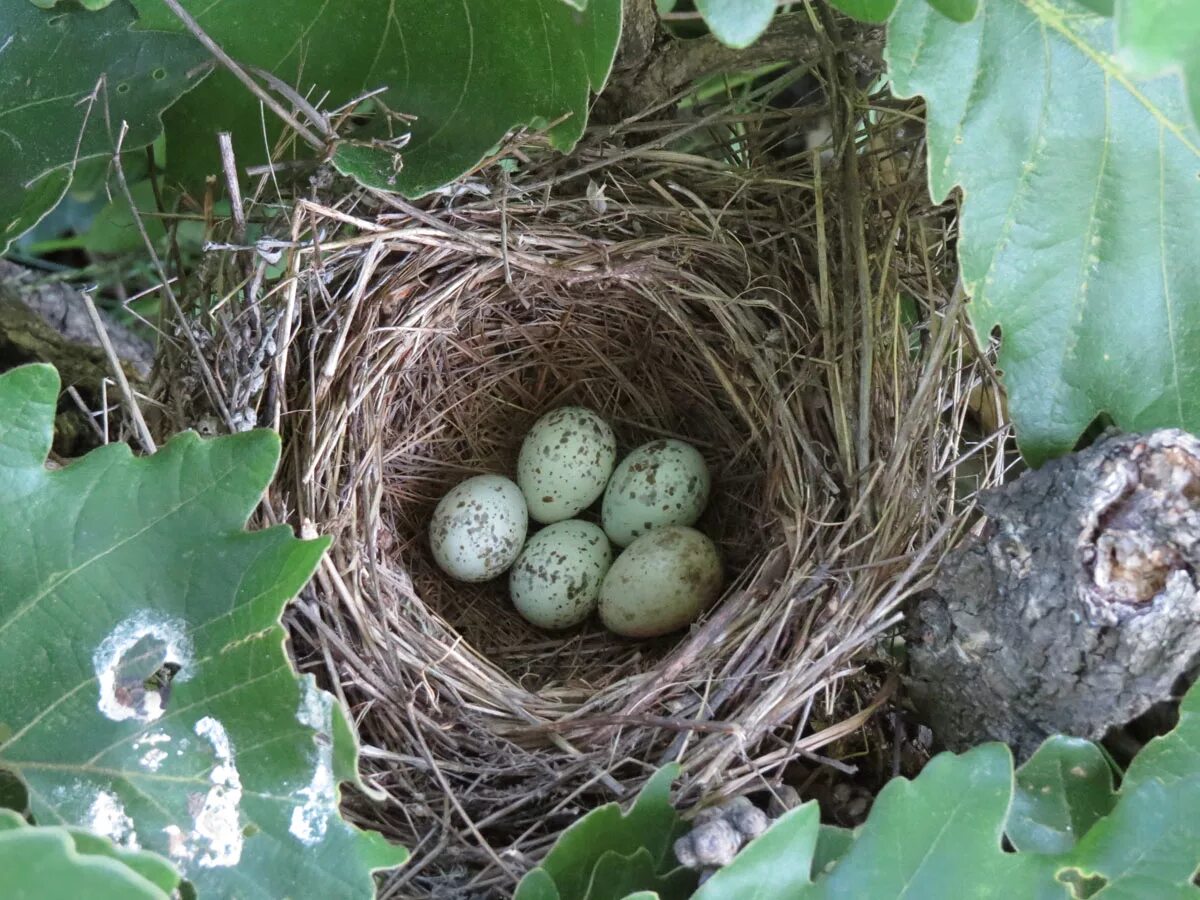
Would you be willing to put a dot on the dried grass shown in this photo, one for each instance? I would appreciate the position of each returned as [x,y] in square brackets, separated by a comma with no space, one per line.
[719,291]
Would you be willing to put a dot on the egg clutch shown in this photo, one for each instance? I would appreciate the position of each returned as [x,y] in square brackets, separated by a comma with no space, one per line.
[666,573]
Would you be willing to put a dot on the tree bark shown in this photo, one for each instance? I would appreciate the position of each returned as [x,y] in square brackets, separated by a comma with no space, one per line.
[48,322]
[1076,609]
[59,331]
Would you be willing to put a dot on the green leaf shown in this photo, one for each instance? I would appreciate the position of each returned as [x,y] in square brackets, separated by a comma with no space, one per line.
[1157,36]
[1063,789]
[738,23]
[617,877]
[370,165]
[866,10]
[150,866]
[23,209]
[52,862]
[469,71]
[114,230]
[957,10]
[86,4]
[1080,208]
[777,865]
[537,885]
[832,844]
[937,834]
[1175,755]
[1149,845]
[47,122]
[651,825]
[147,694]
[1103,7]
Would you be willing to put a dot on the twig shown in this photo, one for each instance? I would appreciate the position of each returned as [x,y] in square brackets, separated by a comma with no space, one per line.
[240,74]
[360,289]
[118,371]
[301,103]
[857,238]
[642,721]
[83,408]
[229,167]
[929,377]
[210,382]
[437,773]
[284,340]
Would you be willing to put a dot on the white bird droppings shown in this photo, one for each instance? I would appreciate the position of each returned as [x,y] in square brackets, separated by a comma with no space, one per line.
[310,819]
[116,701]
[216,839]
[107,817]
[152,759]
[154,755]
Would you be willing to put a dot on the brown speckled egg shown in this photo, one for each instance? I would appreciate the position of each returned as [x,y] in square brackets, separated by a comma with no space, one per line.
[565,462]
[660,583]
[663,482]
[478,528]
[555,580]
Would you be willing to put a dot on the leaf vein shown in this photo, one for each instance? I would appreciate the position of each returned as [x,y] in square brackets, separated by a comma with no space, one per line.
[66,576]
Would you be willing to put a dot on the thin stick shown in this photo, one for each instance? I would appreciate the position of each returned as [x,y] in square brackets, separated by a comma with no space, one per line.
[314,114]
[643,721]
[284,339]
[210,381]
[229,167]
[104,410]
[88,414]
[437,773]
[118,371]
[360,289]
[240,74]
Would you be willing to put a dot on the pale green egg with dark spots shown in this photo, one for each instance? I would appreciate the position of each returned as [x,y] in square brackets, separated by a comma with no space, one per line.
[556,579]
[661,582]
[565,462]
[478,528]
[664,482]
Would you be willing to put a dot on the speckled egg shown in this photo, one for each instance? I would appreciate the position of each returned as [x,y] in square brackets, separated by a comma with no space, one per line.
[565,462]
[660,582]
[478,528]
[663,482]
[556,579]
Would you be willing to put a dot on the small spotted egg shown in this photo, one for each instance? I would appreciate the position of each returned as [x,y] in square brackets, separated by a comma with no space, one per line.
[478,528]
[664,482]
[555,580]
[565,462]
[660,582]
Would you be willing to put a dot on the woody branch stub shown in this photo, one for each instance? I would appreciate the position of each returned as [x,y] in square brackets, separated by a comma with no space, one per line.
[1076,609]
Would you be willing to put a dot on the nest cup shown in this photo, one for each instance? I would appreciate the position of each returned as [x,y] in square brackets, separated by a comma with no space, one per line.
[740,304]
[658,351]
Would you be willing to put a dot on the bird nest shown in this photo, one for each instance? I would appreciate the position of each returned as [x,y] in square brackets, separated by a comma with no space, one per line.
[791,315]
